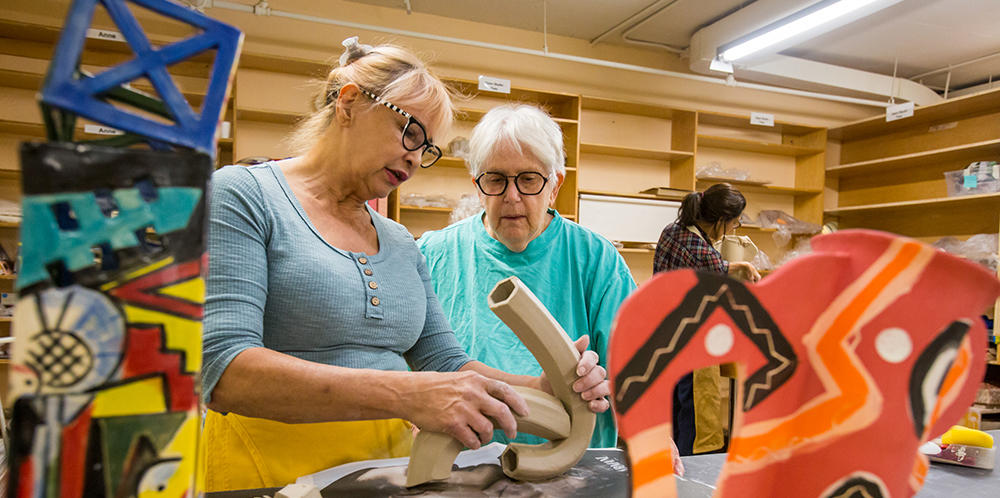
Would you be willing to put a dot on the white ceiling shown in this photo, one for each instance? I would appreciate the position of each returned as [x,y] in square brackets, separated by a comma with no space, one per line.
[925,35]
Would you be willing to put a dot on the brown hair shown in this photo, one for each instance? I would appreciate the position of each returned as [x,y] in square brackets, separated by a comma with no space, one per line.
[720,202]
[388,71]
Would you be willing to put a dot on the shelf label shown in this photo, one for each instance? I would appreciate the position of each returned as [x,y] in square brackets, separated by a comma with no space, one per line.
[104,34]
[491,84]
[898,111]
[101,130]
[971,181]
[761,119]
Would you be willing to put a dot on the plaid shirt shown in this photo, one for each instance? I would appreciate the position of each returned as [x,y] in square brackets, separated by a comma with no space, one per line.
[680,248]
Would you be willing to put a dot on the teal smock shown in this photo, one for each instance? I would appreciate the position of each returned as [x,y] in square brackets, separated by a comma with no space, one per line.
[577,274]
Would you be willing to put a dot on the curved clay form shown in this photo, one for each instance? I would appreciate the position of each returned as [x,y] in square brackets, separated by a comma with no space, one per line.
[518,307]
[565,420]
[433,452]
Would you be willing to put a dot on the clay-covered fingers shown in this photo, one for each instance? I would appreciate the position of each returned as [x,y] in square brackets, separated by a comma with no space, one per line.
[599,405]
[752,272]
[589,373]
[503,400]
[592,383]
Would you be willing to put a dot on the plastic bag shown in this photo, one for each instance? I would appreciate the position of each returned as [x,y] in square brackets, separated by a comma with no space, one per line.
[981,248]
[761,261]
[427,200]
[715,169]
[466,206]
[802,247]
[786,225]
[458,147]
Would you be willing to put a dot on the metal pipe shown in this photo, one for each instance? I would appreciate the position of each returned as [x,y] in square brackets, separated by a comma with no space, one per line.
[612,29]
[551,55]
[647,43]
[545,26]
[953,66]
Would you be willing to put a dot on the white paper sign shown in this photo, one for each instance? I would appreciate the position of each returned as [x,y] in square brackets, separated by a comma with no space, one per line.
[101,130]
[103,34]
[491,84]
[898,111]
[761,119]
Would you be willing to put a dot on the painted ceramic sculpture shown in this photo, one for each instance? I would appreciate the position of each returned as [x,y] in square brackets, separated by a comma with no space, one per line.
[107,355]
[105,371]
[67,89]
[849,359]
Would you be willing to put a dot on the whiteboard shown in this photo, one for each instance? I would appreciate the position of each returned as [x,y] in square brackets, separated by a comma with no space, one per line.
[626,219]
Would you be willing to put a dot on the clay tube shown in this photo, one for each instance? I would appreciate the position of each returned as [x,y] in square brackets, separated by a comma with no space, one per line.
[434,452]
[518,307]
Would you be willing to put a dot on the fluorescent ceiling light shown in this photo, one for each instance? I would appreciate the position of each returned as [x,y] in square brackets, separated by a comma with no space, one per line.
[720,65]
[793,25]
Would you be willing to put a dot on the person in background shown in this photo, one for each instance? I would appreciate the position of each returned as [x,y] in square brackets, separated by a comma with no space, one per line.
[703,219]
[316,306]
[518,164]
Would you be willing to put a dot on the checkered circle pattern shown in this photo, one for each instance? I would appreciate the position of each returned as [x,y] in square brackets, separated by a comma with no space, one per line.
[61,358]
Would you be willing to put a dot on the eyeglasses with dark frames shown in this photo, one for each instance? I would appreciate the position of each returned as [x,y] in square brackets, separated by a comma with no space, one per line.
[526,182]
[414,134]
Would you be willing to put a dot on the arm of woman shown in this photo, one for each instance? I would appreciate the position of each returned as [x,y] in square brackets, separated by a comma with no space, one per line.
[264,383]
[243,376]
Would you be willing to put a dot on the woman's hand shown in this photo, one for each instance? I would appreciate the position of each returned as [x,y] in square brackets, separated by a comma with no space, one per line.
[592,379]
[747,268]
[464,405]
[675,456]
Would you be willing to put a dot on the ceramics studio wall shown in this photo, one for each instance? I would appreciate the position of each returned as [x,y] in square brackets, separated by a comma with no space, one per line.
[308,40]
[270,95]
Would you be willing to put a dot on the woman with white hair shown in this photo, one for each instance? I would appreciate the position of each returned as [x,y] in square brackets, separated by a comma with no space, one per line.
[518,164]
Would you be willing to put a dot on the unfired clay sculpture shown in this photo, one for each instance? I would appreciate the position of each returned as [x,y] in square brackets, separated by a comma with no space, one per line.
[843,377]
[738,248]
[434,452]
[565,420]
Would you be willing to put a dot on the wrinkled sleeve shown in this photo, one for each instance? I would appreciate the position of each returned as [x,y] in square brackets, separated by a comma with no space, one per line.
[437,349]
[236,287]
[713,262]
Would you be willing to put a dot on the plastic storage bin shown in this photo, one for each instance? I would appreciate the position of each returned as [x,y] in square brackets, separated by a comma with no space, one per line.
[978,178]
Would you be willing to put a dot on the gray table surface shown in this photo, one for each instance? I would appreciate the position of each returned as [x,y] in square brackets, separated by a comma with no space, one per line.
[701,472]
[942,479]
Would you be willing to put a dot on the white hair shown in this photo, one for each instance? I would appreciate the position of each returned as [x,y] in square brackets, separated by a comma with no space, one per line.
[516,126]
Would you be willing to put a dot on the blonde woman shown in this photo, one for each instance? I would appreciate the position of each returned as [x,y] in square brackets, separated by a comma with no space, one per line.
[316,306]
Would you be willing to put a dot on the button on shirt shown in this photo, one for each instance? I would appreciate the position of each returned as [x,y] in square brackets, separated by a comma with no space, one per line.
[274,282]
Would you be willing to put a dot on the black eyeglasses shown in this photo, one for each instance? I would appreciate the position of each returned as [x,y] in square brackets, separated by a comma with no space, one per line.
[526,182]
[414,134]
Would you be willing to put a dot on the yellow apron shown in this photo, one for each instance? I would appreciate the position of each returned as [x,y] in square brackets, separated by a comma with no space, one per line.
[246,453]
[707,410]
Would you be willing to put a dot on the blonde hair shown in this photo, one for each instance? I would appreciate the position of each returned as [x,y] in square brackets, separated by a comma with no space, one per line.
[389,71]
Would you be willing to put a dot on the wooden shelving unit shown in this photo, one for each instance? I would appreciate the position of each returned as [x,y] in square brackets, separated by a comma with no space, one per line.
[786,162]
[611,150]
[891,175]
[745,186]
[426,209]
[958,154]
[268,116]
[761,147]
